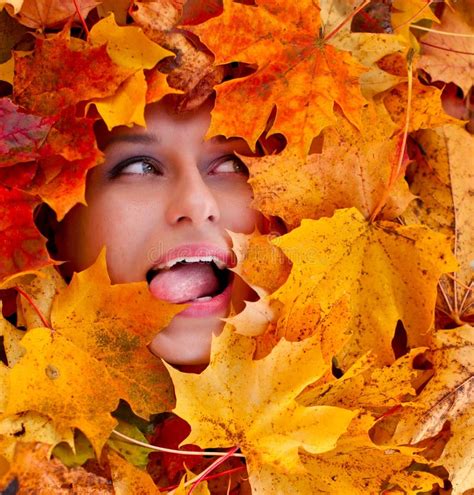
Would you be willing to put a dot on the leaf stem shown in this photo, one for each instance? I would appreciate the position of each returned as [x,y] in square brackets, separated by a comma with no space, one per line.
[170,451]
[413,16]
[446,49]
[396,171]
[34,306]
[445,33]
[210,477]
[346,20]
[83,21]
[195,481]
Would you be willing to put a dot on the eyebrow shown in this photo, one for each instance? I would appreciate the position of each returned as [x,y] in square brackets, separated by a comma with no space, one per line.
[134,139]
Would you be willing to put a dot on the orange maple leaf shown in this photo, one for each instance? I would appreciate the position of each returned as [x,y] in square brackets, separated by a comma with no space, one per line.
[297,71]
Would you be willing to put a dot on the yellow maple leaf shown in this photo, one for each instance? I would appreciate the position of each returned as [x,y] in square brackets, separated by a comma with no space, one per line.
[426,110]
[131,49]
[407,12]
[63,382]
[114,324]
[368,49]
[31,427]
[442,180]
[352,169]
[357,466]
[251,404]
[388,273]
[448,396]
[129,479]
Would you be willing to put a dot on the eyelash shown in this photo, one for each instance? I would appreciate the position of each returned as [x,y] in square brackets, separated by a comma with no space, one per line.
[118,169]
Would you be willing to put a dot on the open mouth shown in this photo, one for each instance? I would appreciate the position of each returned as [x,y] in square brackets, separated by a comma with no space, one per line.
[189,281]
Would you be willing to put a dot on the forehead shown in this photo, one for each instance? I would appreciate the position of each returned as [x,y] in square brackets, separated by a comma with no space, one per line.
[164,125]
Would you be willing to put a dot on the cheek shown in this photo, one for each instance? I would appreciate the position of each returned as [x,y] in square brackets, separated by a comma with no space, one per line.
[236,213]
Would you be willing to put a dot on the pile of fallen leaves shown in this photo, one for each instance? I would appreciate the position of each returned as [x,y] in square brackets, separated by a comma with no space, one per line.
[353,371]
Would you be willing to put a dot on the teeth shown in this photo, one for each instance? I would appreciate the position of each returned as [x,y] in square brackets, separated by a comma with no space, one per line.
[203,298]
[193,259]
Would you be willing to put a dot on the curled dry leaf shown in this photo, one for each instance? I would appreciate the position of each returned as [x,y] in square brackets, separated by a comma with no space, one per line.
[15,5]
[36,473]
[191,71]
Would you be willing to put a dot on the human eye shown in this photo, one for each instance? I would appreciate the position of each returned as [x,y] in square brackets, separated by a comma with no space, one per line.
[230,164]
[137,165]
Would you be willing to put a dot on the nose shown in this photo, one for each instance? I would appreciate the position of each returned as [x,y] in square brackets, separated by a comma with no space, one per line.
[192,200]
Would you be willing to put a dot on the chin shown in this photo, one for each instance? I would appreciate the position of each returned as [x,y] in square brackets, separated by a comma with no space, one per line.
[186,341]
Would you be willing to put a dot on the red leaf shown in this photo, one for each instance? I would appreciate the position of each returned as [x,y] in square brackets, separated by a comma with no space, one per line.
[22,247]
[21,135]
[58,74]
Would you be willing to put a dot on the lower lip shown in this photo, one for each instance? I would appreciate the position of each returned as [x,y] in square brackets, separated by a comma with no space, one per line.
[213,307]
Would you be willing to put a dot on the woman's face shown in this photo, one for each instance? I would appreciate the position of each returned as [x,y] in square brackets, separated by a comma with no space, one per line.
[164,188]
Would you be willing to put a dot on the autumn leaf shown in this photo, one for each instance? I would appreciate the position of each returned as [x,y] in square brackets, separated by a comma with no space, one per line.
[40,14]
[450,58]
[61,381]
[15,4]
[191,71]
[442,180]
[374,390]
[426,110]
[62,160]
[128,479]
[368,49]
[36,473]
[62,71]
[114,324]
[256,407]
[31,427]
[447,397]
[21,134]
[12,348]
[129,48]
[353,169]
[408,12]
[282,40]
[391,269]
[346,468]
[22,247]
[40,287]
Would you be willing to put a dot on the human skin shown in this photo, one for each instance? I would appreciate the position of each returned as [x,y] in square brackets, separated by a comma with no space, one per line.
[176,189]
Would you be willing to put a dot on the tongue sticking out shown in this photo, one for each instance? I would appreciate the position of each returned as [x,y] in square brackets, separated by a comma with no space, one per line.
[184,282]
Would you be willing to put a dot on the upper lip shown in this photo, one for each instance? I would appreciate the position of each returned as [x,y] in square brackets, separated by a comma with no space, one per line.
[202,249]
